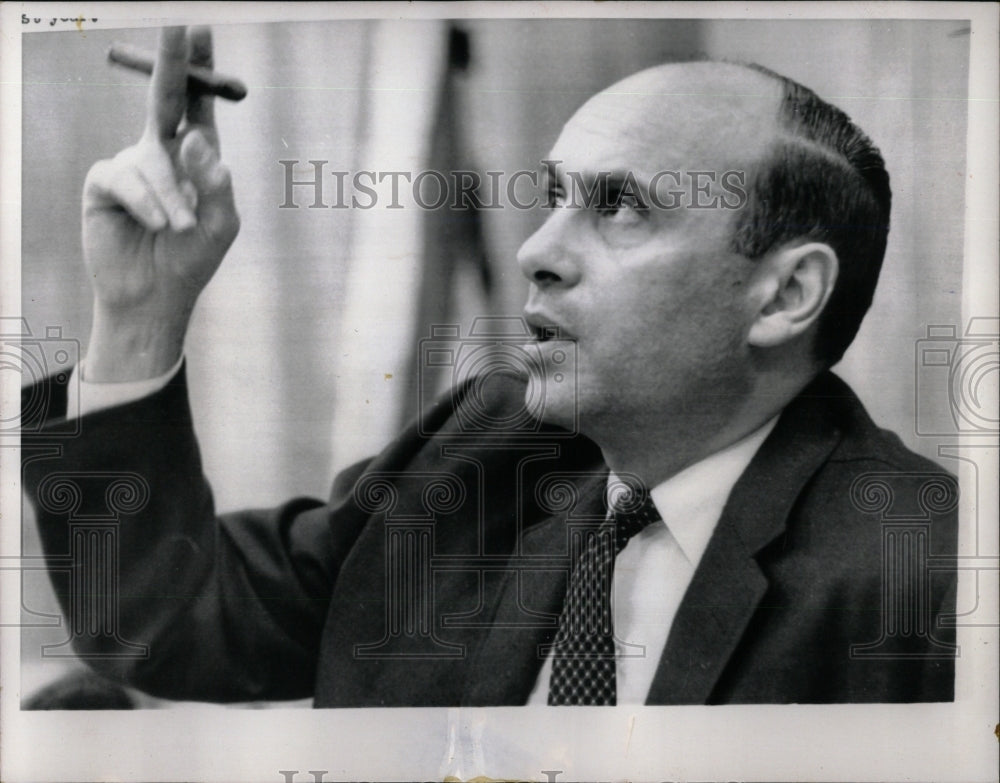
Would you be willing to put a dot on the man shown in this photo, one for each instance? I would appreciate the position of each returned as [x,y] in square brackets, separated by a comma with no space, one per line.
[696,520]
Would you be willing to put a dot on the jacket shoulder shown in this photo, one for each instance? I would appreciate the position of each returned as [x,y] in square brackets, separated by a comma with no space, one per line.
[860,438]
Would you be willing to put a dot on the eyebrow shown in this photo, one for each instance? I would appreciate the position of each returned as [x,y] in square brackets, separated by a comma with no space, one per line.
[614,178]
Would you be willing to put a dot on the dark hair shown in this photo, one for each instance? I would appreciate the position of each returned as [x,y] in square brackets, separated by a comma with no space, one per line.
[822,179]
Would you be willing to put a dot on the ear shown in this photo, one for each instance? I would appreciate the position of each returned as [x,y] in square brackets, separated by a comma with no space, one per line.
[794,284]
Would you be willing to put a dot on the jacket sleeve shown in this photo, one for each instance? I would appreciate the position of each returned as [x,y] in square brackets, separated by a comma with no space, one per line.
[157,590]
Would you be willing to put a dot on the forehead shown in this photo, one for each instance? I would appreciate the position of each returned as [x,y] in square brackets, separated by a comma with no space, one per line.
[697,116]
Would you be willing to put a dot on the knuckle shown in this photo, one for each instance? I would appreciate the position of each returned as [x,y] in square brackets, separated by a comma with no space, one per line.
[145,201]
[226,227]
[130,156]
[95,175]
[103,170]
[149,156]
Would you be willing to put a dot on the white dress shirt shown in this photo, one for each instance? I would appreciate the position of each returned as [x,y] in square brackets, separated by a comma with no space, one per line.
[655,568]
[652,572]
[86,397]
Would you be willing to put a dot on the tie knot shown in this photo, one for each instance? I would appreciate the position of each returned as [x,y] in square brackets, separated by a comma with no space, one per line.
[632,511]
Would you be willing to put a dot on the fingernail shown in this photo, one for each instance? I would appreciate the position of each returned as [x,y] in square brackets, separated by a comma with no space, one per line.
[202,153]
[184,220]
[202,150]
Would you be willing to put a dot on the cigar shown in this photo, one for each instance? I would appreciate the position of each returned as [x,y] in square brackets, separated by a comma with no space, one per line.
[200,78]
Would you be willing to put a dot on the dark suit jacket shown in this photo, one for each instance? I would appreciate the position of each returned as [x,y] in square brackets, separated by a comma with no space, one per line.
[436,570]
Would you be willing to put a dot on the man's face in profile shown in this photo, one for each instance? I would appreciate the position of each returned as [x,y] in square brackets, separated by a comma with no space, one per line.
[646,283]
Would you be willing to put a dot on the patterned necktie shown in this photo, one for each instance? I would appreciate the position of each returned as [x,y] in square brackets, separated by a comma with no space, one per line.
[583,662]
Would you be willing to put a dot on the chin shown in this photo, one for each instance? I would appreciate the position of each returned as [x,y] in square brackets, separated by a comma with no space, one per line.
[553,400]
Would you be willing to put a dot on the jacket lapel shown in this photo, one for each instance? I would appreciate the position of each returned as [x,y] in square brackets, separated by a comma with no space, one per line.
[728,584]
[528,603]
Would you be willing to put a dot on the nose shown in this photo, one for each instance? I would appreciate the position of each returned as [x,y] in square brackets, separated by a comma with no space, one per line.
[548,258]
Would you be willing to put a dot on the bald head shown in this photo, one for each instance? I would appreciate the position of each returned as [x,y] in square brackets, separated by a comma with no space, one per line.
[699,115]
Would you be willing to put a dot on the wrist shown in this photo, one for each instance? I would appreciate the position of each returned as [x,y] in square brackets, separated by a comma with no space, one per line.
[130,346]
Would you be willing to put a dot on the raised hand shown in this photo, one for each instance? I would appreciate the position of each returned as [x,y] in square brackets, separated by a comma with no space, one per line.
[157,220]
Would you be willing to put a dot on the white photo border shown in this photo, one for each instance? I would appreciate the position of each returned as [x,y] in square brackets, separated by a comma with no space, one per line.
[946,742]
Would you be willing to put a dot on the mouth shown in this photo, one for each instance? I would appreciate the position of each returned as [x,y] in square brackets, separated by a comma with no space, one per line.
[545,329]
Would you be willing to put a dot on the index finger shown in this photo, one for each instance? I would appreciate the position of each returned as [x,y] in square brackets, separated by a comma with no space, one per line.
[168,91]
[200,105]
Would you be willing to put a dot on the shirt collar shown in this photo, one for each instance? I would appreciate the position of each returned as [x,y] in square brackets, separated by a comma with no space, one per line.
[691,501]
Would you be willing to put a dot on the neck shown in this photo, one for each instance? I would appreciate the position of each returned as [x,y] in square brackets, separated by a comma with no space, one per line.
[655,449]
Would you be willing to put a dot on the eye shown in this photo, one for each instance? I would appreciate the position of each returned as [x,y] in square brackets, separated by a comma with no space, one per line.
[622,203]
[555,195]
[626,201]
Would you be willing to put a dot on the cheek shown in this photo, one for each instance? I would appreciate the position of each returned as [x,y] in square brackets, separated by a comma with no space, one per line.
[664,305]
[692,318]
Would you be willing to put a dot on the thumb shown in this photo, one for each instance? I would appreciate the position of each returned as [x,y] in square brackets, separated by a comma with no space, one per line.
[201,165]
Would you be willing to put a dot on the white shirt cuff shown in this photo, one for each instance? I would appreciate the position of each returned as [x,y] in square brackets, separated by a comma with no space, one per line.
[87,397]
